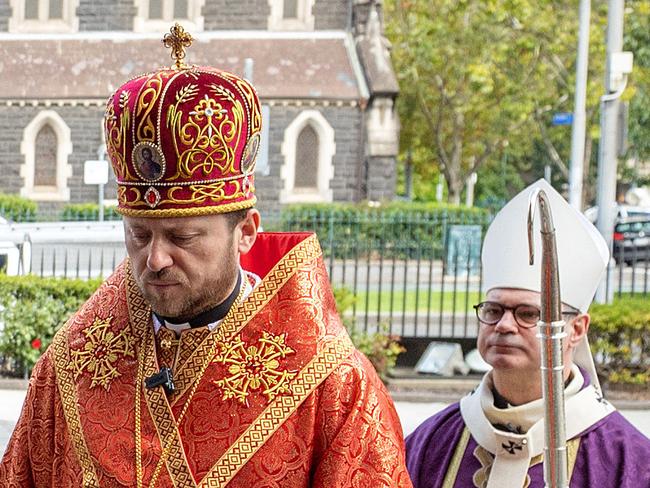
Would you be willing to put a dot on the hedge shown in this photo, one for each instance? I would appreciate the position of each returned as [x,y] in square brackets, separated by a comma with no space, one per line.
[17,209]
[394,229]
[620,340]
[76,212]
[32,310]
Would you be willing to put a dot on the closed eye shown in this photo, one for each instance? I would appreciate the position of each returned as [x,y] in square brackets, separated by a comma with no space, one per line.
[140,237]
[183,239]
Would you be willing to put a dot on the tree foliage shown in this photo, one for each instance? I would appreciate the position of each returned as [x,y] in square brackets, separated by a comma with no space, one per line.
[637,40]
[480,80]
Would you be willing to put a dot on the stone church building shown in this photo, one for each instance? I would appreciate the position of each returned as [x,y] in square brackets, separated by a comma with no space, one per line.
[321,67]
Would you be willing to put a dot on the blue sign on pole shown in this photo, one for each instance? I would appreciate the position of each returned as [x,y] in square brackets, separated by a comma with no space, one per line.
[563,118]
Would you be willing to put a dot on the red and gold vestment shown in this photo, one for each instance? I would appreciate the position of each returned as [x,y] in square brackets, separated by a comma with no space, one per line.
[276,396]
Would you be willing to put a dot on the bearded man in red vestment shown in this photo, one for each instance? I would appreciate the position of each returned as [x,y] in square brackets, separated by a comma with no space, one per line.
[214,355]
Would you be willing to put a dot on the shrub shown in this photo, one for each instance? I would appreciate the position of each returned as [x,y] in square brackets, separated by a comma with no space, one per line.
[620,340]
[76,212]
[33,309]
[394,229]
[379,347]
[17,209]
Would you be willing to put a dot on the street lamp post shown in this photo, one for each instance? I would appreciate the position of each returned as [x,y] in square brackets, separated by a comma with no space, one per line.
[579,110]
[619,65]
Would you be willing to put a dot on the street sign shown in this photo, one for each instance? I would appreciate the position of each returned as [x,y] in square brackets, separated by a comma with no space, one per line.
[96,172]
[563,118]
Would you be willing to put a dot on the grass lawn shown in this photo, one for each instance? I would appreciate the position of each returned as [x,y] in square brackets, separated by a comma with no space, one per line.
[423,301]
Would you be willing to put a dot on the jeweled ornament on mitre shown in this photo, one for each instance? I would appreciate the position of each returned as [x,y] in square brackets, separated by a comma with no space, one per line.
[183,140]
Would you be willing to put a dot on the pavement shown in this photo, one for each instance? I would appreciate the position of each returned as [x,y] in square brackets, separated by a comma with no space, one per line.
[416,399]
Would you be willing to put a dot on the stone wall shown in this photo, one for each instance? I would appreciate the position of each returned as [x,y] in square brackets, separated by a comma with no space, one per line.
[85,132]
[235,14]
[117,15]
[331,14]
[381,178]
[106,15]
[346,122]
[5,14]
[85,127]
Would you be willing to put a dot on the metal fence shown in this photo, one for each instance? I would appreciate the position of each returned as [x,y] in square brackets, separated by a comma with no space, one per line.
[411,275]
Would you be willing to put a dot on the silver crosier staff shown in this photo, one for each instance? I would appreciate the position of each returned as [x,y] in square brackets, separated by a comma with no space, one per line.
[551,332]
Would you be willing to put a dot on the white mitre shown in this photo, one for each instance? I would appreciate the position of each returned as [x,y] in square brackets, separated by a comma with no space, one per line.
[582,255]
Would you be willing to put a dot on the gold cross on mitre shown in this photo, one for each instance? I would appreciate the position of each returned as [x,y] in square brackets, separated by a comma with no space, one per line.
[177,39]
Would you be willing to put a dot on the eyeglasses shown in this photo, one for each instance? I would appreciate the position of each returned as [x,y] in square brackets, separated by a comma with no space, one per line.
[525,315]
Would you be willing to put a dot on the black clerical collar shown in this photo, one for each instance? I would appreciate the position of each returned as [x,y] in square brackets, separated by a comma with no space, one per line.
[501,402]
[209,316]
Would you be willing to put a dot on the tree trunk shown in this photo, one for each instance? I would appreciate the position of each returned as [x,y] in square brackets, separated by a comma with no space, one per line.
[454,190]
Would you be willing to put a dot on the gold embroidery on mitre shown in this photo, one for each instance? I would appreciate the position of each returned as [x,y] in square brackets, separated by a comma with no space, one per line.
[116,134]
[144,112]
[101,352]
[254,367]
[204,139]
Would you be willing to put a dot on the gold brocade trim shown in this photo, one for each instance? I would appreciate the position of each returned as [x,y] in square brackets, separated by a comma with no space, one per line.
[102,350]
[69,401]
[173,454]
[254,367]
[188,342]
[167,427]
[281,408]
[454,465]
[214,193]
[187,212]
[191,371]
[304,252]
[572,453]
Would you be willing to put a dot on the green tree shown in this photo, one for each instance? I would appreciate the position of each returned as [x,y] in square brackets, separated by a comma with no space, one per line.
[480,79]
[637,40]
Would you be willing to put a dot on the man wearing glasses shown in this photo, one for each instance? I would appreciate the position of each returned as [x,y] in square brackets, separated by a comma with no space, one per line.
[494,437]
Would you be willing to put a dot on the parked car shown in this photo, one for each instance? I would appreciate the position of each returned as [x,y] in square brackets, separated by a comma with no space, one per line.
[623,211]
[632,239]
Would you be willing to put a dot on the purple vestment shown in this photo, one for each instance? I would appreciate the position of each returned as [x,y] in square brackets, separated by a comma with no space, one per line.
[612,454]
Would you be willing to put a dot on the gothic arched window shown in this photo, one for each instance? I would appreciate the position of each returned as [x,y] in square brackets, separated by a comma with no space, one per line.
[308,149]
[46,146]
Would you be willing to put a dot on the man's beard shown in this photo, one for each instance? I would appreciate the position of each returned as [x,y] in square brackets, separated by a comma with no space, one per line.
[197,297]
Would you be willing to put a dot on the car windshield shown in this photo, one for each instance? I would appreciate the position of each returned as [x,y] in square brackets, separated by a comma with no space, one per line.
[633,227]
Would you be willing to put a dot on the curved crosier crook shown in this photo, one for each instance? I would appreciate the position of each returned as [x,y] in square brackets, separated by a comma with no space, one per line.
[551,333]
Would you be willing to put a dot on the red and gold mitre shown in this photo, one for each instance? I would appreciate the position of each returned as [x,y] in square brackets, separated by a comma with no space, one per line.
[183,140]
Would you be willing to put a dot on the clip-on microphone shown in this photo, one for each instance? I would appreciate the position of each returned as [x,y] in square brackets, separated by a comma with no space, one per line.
[162,377]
